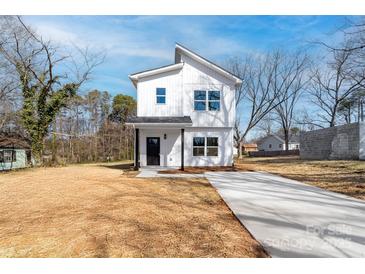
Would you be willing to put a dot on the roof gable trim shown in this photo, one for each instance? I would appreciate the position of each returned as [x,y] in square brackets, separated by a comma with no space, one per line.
[205,62]
[139,75]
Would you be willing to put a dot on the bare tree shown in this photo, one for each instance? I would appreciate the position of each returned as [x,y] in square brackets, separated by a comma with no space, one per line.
[46,88]
[353,46]
[267,125]
[294,78]
[265,82]
[334,84]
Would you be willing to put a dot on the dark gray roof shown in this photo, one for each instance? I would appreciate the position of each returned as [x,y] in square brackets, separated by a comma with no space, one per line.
[160,119]
[13,140]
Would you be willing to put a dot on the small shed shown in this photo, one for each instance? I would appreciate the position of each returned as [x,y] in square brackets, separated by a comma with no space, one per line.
[14,151]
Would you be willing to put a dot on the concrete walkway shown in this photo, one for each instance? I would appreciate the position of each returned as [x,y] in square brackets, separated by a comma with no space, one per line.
[152,172]
[292,219]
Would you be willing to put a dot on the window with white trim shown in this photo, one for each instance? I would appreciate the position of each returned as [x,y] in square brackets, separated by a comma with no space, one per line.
[205,146]
[212,146]
[198,146]
[214,100]
[200,98]
[161,95]
[207,100]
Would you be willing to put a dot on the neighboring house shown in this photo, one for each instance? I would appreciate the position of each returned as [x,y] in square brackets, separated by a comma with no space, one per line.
[185,113]
[249,147]
[14,152]
[274,142]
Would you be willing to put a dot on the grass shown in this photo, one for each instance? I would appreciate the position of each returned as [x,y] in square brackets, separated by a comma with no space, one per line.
[346,177]
[101,211]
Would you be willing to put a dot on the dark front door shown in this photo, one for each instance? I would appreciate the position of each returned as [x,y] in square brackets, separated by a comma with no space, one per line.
[153,151]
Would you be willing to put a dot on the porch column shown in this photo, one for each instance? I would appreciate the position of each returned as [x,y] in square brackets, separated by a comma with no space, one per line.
[136,149]
[182,149]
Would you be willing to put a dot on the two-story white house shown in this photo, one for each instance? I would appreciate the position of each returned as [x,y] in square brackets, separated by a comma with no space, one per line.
[185,113]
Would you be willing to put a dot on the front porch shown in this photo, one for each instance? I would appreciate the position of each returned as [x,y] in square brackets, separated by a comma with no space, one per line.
[159,141]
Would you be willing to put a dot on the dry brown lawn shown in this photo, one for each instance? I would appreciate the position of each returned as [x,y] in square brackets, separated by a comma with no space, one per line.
[347,177]
[97,211]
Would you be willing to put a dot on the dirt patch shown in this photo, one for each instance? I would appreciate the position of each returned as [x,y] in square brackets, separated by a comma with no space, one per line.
[98,211]
[346,177]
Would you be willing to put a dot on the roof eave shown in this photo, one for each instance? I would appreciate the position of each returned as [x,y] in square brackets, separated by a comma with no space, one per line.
[137,76]
[159,125]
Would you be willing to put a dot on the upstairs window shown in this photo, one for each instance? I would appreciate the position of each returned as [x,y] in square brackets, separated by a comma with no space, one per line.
[200,100]
[161,95]
[207,100]
[198,146]
[214,100]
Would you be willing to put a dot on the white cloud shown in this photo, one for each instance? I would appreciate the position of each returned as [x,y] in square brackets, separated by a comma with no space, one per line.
[114,43]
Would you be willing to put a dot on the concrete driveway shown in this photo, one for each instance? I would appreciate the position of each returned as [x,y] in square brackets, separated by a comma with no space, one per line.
[292,219]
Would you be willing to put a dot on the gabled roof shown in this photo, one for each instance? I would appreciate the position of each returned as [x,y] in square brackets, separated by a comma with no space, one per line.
[181,49]
[249,145]
[269,136]
[138,75]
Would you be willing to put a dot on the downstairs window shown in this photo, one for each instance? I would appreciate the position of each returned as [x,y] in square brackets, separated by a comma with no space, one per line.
[198,146]
[205,146]
[212,146]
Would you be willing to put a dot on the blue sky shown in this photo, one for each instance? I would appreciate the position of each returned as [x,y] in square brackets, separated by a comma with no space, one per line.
[134,43]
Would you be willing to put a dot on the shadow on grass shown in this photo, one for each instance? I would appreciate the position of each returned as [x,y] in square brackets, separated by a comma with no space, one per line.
[124,166]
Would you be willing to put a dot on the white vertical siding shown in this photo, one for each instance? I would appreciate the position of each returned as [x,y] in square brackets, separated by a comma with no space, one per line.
[199,77]
[180,86]
[170,149]
[225,147]
[146,95]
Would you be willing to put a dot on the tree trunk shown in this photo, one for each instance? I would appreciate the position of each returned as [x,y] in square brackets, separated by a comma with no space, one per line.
[286,139]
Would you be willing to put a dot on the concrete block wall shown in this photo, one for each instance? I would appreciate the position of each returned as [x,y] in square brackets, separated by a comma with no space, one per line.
[362,141]
[341,142]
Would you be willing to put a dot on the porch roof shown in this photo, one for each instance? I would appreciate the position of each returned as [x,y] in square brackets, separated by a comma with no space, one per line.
[170,121]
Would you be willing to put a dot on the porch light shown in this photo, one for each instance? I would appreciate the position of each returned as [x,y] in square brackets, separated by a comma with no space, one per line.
[165,136]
